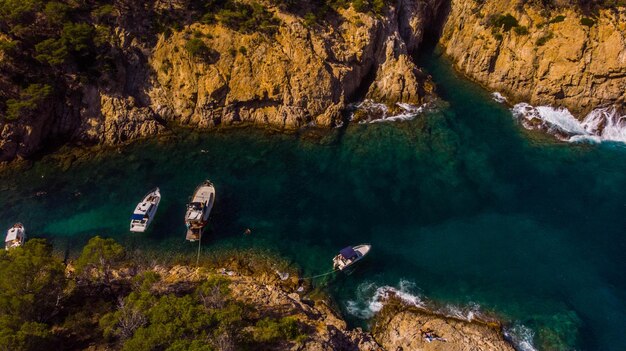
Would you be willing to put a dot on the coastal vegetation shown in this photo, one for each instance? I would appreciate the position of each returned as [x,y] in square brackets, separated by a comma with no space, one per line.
[43,303]
[51,48]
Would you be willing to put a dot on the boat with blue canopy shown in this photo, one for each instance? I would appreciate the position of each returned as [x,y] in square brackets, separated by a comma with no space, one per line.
[350,255]
[145,211]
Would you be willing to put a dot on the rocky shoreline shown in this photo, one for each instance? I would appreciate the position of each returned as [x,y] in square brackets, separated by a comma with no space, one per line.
[206,74]
[108,298]
[560,56]
[397,326]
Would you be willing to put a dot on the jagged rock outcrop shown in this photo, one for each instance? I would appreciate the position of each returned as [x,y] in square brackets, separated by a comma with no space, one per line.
[111,120]
[273,297]
[549,58]
[300,74]
[400,327]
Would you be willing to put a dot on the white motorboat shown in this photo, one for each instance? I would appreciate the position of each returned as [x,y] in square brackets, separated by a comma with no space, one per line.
[199,209]
[16,236]
[350,255]
[145,211]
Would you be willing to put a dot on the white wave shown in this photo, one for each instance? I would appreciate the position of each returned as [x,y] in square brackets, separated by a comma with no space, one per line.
[370,298]
[469,312]
[521,336]
[498,97]
[377,112]
[602,124]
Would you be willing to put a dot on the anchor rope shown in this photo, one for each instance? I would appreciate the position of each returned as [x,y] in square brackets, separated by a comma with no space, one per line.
[321,275]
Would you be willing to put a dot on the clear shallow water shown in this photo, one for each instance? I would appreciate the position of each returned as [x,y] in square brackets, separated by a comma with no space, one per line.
[462,203]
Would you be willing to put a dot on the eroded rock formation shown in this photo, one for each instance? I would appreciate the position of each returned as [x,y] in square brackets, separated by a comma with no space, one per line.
[559,57]
[400,327]
[300,74]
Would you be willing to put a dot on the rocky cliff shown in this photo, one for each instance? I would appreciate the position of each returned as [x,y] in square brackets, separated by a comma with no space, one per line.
[397,326]
[544,55]
[208,73]
[127,70]
[401,327]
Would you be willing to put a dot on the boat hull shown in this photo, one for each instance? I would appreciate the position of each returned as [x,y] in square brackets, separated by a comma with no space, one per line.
[16,236]
[199,210]
[342,264]
[146,209]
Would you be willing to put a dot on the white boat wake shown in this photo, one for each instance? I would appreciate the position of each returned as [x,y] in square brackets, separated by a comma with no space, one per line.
[600,125]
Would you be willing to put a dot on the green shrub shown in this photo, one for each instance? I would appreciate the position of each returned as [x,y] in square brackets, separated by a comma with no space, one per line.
[30,100]
[144,321]
[103,12]
[243,50]
[56,12]
[557,19]
[506,22]
[360,5]
[544,39]
[8,46]
[98,258]
[247,18]
[196,47]
[586,21]
[32,281]
[521,30]
[78,36]
[271,330]
[310,19]
[51,51]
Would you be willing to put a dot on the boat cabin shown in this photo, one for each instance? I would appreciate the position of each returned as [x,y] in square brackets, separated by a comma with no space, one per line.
[15,237]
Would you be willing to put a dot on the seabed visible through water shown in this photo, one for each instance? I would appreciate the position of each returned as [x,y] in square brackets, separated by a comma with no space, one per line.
[462,207]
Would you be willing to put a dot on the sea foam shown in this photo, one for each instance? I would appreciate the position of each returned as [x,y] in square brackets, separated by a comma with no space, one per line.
[370,299]
[497,97]
[377,112]
[602,124]
[521,336]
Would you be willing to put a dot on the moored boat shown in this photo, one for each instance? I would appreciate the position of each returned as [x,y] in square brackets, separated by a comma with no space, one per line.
[199,209]
[16,235]
[350,255]
[145,211]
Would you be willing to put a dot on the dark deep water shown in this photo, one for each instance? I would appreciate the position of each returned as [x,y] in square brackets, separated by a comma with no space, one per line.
[461,205]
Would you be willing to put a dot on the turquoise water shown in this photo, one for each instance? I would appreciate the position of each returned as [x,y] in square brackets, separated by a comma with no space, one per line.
[461,203]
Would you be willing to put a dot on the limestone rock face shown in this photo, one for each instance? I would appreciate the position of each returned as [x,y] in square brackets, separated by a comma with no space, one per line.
[558,62]
[398,79]
[413,329]
[111,120]
[296,77]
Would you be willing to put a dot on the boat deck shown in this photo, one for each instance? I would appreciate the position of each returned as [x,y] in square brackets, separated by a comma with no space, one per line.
[204,195]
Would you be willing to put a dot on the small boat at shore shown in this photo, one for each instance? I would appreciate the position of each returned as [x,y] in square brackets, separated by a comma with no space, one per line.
[145,211]
[350,255]
[16,236]
[199,209]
